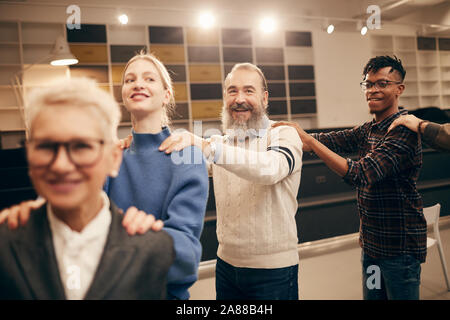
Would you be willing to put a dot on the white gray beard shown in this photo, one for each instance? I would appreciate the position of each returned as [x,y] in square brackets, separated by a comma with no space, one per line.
[239,129]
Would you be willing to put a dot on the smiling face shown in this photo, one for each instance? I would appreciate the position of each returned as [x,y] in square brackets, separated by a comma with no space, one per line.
[245,99]
[66,186]
[143,91]
[383,102]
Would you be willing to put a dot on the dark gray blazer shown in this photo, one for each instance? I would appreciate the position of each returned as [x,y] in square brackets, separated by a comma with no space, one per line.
[131,267]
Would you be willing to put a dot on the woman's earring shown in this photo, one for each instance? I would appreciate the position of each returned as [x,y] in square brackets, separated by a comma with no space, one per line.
[114,173]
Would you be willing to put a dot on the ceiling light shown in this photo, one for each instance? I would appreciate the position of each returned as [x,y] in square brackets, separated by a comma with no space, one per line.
[206,20]
[61,55]
[123,19]
[330,29]
[364,30]
[267,25]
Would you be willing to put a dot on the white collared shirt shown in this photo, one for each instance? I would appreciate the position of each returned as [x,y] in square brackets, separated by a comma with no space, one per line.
[78,253]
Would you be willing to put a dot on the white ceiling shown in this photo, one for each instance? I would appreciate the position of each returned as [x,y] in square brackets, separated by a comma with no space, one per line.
[399,11]
[391,9]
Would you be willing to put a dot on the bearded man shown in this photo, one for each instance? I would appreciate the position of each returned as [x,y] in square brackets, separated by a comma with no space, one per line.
[256,173]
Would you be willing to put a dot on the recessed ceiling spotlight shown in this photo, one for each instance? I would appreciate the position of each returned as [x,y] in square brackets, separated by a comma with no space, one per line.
[123,19]
[267,25]
[364,30]
[206,20]
[330,29]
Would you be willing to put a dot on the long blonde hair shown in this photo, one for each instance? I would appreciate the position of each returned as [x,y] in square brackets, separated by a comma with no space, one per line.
[169,108]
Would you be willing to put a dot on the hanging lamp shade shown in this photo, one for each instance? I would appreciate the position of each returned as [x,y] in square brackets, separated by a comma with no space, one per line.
[61,55]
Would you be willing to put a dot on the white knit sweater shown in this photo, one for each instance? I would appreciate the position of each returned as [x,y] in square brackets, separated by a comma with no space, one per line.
[256,187]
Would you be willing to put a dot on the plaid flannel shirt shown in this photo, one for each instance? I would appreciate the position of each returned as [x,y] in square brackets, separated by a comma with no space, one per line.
[390,208]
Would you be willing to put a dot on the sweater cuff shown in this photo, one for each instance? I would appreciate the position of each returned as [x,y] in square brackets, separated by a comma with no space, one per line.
[431,131]
[349,176]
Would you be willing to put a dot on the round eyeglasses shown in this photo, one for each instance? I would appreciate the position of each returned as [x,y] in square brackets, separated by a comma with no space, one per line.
[380,84]
[81,152]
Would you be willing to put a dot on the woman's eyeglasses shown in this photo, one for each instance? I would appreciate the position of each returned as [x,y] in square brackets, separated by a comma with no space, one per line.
[81,152]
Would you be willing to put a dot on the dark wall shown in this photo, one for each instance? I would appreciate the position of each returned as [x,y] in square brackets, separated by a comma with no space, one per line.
[327,205]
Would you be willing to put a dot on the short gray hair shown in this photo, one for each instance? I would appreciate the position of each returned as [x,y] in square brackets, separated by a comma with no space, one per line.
[80,92]
[251,67]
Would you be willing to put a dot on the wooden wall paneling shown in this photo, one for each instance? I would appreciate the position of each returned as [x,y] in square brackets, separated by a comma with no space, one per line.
[168,53]
[180,92]
[277,89]
[117,92]
[206,109]
[298,56]
[166,35]
[127,35]
[126,116]
[426,43]
[117,73]
[98,73]
[203,54]
[301,106]
[205,73]
[201,36]
[277,107]
[301,72]
[272,72]
[90,53]
[123,53]
[181,111]
[206,91]
[302,89]
[269,55]
[45,33]
[237,54]
[9,53]
[298,38]
[177,72]
[236,36]
[33,53]
[8,98]
[9,32]
[444,44]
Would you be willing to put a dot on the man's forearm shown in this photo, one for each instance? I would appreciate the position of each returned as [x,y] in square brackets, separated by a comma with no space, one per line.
[334,161]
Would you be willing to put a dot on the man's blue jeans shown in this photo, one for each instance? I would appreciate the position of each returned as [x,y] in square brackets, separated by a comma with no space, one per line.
[255,284]
[396,278]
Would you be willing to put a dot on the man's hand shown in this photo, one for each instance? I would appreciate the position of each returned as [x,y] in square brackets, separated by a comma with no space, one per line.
[179,141]
[409,121]
[305,137]
[135,221]
[20,213]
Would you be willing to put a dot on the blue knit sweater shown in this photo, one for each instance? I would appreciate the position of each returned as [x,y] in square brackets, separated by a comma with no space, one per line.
[175,193]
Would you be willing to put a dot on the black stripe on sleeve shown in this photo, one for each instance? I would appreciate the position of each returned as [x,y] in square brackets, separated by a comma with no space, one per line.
[287,153]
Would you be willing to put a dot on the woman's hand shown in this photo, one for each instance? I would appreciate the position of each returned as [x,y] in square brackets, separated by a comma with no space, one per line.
[181,140]
[135,221]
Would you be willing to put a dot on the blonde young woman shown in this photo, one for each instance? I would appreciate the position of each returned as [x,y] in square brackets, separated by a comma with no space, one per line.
[148,179]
